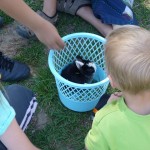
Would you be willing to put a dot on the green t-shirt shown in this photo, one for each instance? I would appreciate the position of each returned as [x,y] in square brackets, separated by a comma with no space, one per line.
[116,127]
[7,114]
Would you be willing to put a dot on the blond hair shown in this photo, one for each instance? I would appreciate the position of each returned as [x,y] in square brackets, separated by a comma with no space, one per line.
[127,54]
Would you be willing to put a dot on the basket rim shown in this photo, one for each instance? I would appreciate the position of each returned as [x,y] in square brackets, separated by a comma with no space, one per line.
[95,36]
[59,77]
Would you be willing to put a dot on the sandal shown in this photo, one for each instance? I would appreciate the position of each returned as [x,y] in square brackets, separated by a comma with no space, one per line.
[27,33]
[71,6]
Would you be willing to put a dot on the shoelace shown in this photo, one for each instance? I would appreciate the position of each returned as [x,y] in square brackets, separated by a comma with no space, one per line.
[6,63]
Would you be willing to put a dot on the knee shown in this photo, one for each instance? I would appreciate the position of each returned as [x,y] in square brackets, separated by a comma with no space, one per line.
[84,10]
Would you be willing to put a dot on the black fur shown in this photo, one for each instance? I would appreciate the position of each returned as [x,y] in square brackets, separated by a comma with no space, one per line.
[79,71]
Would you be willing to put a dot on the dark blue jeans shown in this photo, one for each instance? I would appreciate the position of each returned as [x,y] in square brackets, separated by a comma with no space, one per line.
[111,12]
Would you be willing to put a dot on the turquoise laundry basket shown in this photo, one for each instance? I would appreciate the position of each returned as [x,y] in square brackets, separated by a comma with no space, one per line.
[80,97]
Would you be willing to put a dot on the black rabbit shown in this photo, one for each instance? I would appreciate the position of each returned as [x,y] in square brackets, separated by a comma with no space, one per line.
[80,71]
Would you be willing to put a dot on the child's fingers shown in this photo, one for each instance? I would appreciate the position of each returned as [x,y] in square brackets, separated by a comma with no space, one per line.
[114,96]
[119,94]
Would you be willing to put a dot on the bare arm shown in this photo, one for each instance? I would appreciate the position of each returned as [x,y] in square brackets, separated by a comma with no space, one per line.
[15,139]
[44,30]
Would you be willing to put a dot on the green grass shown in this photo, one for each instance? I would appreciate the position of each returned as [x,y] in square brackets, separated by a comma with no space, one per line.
[66,129]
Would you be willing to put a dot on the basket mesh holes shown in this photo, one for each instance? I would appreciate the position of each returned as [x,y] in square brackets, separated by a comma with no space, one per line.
[78,94]
[89,47]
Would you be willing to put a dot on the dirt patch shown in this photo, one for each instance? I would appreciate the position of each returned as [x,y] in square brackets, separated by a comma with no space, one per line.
[39,120]
[10,41]
[42,120]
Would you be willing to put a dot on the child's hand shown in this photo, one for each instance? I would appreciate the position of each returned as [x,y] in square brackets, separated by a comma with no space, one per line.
[49,36]
[114,97]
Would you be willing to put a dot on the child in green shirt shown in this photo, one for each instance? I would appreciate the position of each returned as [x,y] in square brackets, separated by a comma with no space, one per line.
[124,124]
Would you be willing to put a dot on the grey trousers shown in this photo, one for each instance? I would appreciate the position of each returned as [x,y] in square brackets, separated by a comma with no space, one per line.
[24,103]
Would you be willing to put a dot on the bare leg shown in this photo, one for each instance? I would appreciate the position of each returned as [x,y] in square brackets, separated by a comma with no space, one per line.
[49,7]
[87,14]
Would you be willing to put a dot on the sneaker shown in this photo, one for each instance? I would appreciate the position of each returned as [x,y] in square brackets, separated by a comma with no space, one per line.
[11,70]
[1,22]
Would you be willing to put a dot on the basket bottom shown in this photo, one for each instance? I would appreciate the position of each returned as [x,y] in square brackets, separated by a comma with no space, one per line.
[78,106]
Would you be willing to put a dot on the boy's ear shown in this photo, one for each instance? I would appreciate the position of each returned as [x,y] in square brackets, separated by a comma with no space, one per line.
[112,83]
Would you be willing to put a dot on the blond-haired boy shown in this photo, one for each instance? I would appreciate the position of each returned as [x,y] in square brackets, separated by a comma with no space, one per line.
[125,124]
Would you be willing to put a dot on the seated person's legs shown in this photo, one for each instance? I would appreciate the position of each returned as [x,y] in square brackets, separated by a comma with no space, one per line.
[24,103]
[103,18]
[49,7]
[86,13]
[83,9]
[79,7]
